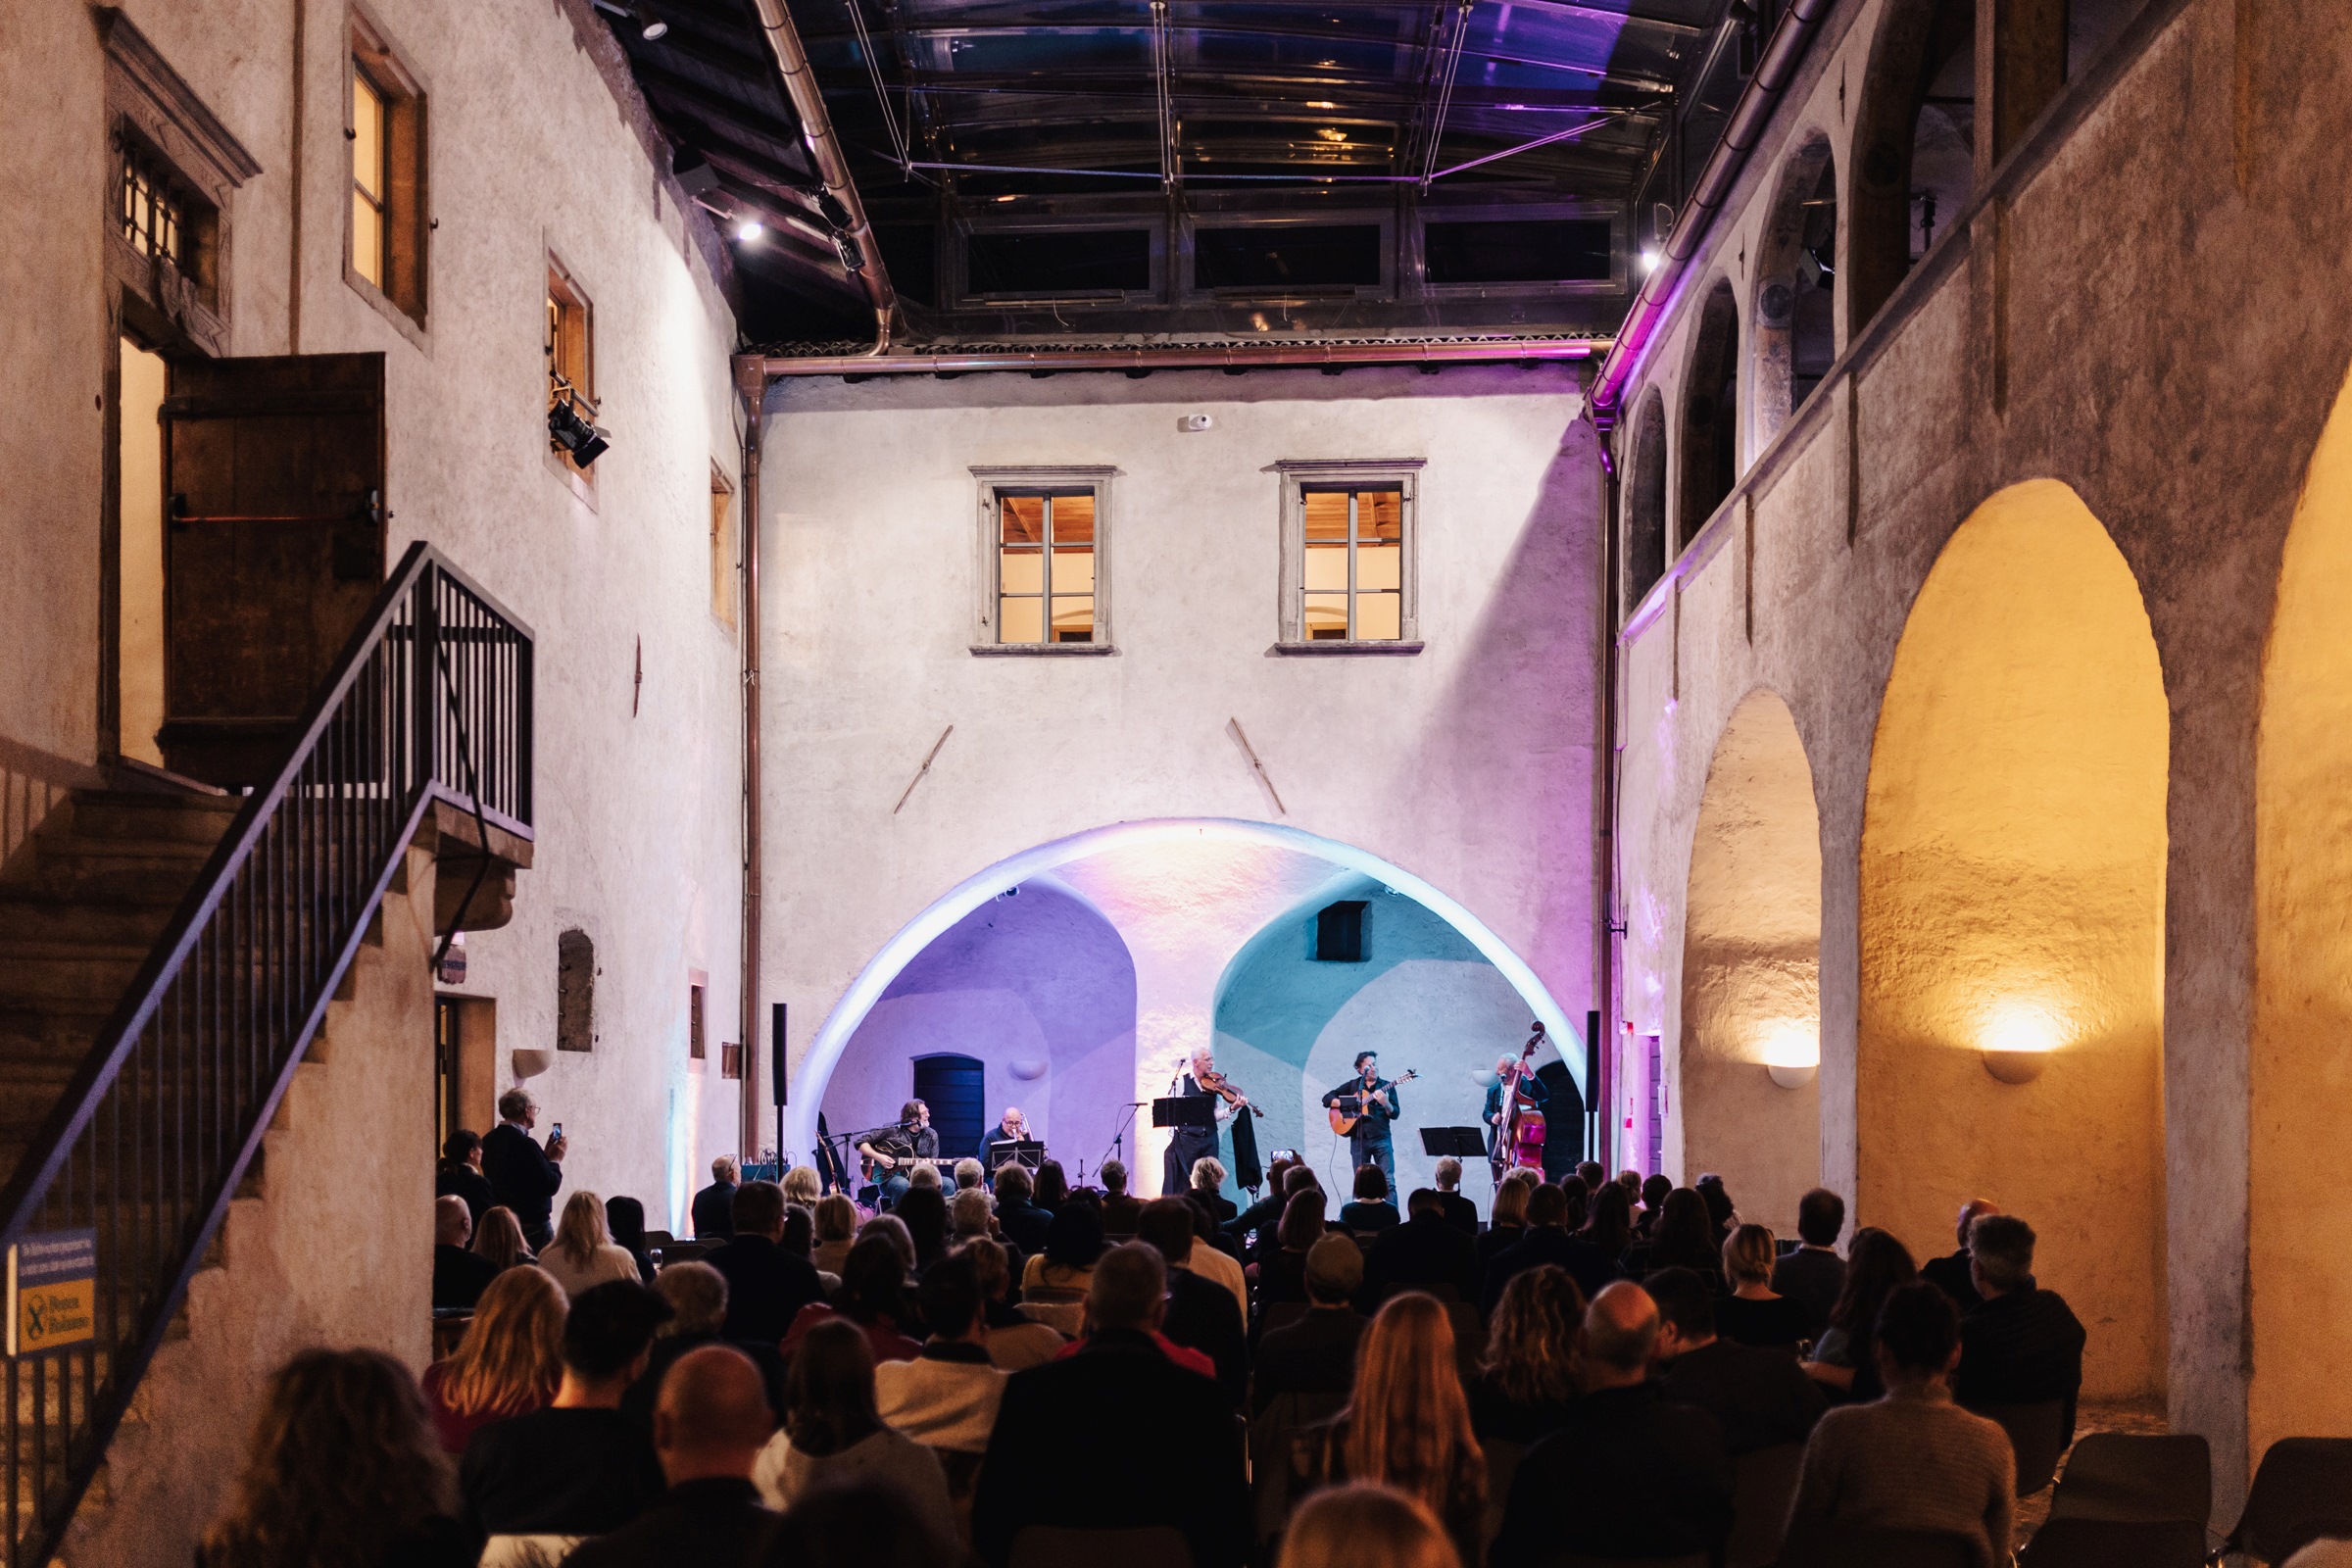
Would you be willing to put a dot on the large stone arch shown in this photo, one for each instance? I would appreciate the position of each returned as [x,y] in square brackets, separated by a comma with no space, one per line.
[2012,919]
[1794,334]
[2299,1251]
[1749,1037]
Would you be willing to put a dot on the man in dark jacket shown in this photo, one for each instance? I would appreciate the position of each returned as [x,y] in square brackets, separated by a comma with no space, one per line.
[2024,1345]
[1814,1275]
[714,1211]
[1201,1314]
[709,1429]
[1066,1408]
[523,1175]
[458,1276]
[461,1175]
[1024,1223]
[1759,1396]
[1425,1251]
[767,1284]
[1631,1474]
[1460,1212]
[1316,1354]
[1547,1242]
[1950,1272]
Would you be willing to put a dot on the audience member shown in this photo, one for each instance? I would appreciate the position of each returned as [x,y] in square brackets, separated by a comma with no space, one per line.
[1116,1377]
[1814,1274]
[1015,1343]
[1370,1213]
[1201,1314]
[714,1210]
[1547,1242]
[894,1230]
[1592,1174]
[624,1218]
[1760,1397]
[1609,1222]
[1426,1252]
[1122,1211]
[1845,1357]
[521,1173]
[458,1276]
[1630,1180]
[803,1186]
[924,1214]
[1406,1424]
[1253,1229]
[945,1397]
[1460,1212]
[1064,1270]
[1535,1357]
[341,1468]
[1949,1273]
[1722,1213]
[583,1254]
[1364,1525]
[836,1229]
[1653,1199]
[1684,1238]
[1628,1473]
[461,1175]
[510,1362]
[1912,1459]
[499,1239]
[766,1285]
[697,1294]
[1052,1187]
[1580,1201]
[1208,1190]
[873,1298]
[923,1178]
[1023,1223]
[834,1432]
[1218,1266]
[971,1212]
[1316,1353]
[1754,1314]
[1507,1223]
[579,1467]
[800,1236]
[970,1173]
[2024,1345]
[855,1524]
[709,1430]
[1282,1273]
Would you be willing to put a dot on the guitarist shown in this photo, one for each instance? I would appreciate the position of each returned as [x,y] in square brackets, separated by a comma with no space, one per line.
[1368,1141]
[895,1151]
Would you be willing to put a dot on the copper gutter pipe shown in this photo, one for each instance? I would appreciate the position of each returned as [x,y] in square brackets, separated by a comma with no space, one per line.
[754,390]
[817,128]
[1238,356]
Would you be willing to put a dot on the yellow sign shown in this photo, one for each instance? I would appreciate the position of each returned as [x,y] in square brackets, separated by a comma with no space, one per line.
[52,1291]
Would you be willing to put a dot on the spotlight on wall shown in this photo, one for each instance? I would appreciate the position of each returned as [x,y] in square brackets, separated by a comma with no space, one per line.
[2017,1040]
[650,28]
[1791,1051]
[750,229]
[575,436]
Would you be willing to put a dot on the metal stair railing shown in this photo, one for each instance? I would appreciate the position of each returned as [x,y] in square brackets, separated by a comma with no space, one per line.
[430,701]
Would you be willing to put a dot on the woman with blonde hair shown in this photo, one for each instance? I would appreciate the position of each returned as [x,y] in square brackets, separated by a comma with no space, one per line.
[1365,1527]
[1407,1423]
[836,1229]
[1534,1353]
[1508,1224]
[802,1186]
[1754,1313]
[341,1468]
[509,1361]
[583,1254]
[499,1238]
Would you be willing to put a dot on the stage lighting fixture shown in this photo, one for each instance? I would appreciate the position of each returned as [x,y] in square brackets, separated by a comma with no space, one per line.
[750,229]
[650,28]
[575,436]
[853,260]
[696,177]
[830,209]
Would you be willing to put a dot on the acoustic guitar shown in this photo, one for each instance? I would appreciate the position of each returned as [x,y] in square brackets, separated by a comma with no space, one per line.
[1343,1124]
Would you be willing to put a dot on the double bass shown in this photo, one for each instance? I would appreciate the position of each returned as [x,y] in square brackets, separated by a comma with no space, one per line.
[1519,1139]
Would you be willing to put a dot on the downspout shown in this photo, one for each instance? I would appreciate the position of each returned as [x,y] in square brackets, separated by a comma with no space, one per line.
[752,384]
[1762,95]
[1604,924]
[816,127]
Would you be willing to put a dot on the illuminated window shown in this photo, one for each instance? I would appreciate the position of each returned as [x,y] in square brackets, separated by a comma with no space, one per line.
[722,549]
[367,180]
[386,134]
[570,343]
[1046,589]
[154,216]
[1348,557]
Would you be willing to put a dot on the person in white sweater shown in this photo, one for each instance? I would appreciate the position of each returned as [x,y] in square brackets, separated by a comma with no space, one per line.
[583,1254]
[833,1434]
[947,1396]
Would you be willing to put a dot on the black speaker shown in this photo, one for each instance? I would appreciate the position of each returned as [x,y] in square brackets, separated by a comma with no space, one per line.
[1339,932]
[1593,1056]
[776,1049]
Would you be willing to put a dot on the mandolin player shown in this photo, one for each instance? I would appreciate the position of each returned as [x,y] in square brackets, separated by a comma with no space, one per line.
[1372,1099]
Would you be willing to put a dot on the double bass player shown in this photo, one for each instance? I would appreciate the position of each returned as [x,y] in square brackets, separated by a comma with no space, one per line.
[1516,1088]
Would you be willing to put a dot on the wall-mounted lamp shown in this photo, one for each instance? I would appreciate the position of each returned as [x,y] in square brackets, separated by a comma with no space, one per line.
[2014,1066]
[2017,1041]
[1793,1051]
[1793,1076]
[530,1062]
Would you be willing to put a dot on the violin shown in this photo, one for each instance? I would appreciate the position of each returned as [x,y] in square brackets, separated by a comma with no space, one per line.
[1216,1082]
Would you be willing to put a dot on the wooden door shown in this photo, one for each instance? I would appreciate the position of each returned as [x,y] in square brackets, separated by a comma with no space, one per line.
[273,548]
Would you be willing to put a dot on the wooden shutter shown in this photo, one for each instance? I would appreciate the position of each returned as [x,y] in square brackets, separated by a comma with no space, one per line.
[274,546]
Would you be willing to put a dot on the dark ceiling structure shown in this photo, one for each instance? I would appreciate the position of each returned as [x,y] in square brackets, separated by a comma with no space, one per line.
[1078,173]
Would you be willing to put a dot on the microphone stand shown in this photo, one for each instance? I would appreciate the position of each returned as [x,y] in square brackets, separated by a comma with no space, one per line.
[1119,1140]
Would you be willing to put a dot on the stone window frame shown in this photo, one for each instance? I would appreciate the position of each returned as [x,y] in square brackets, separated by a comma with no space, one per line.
[994,481]
[155,116]
[370,51]
[1297,475]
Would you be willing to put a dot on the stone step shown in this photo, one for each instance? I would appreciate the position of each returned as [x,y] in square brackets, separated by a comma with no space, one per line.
[27,917]
[125,814]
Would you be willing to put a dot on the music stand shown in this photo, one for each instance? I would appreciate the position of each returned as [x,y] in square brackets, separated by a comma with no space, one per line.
[1463,1143]
[1185,1110]
[1028,1153]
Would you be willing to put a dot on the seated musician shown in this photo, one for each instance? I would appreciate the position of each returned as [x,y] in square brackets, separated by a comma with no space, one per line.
[1011,1130]
[896,1151]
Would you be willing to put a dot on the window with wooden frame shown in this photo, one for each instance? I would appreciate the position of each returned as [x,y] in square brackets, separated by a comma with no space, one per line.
[694,1049]
[722,549]
[385,129]
[730,1061]
[1043,549]
[570,344]
[1349,582]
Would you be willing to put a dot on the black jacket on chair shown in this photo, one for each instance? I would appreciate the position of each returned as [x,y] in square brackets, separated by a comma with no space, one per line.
[1314,1355]
[1203,1316]
[767,1287]
[460,1277]
[524,1179]
[1059,1457]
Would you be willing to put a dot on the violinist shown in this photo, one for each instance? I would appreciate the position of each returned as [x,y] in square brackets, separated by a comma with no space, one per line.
[1189,1143]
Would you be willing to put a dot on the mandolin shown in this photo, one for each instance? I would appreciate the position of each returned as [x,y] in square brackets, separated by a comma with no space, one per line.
[1343,1124]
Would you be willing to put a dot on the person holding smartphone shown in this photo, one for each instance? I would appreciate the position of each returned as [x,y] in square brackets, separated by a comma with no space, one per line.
[523,1175]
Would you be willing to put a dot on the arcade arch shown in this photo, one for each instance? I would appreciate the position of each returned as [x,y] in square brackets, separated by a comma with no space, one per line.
[1645,502]
[1914,140]
[1710,444]
[1795,332]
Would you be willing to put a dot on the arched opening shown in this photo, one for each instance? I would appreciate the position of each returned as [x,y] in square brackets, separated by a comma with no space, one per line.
[1750,1032]
[1795,331]
[1916,132]
[2012,919]
[1645,502]
[1710,414]
[2300,1252]
[1181,898]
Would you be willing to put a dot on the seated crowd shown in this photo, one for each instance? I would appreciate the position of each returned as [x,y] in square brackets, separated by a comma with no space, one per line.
[993,1363]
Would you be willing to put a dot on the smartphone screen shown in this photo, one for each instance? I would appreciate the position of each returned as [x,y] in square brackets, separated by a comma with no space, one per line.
[559,1129]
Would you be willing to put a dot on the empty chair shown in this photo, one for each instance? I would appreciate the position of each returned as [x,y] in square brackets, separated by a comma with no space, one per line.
[2302,1488]
[1764,1484]
[1829,1544]
[1502,1463]
[1469,1336]
[2111,1474]
[2116,1544]
[1052,1546]
[1269,1439]
[2037,1436]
